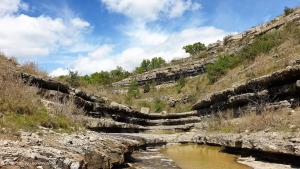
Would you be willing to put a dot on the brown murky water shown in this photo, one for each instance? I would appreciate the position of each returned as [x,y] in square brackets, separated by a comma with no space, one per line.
[193,156]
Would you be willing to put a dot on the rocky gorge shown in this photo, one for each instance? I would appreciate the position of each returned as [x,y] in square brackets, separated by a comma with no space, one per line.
[115,135]
[128,130]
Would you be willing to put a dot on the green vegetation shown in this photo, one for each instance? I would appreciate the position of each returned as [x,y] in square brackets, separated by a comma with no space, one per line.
[146,88]
[73,78]
[180,84]
[194,48]
[288,11]
[159,105]
[133,90]
[221,66]
[98,78]
[261,45]
[16,121]
[147,65]
[21,108]
[106,78]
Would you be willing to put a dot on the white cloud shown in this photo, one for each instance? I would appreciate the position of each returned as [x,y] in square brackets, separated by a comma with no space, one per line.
[59,72]
[24,36]
[79,23]
[178,7]
[141,34]
[8,7]
[150,10]
[171,43]
[101,52]
[96,60]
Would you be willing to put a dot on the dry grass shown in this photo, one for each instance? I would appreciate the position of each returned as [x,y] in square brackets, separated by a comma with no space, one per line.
[12,64]
[16,96]
[277,120]
[32,68]
[21,107]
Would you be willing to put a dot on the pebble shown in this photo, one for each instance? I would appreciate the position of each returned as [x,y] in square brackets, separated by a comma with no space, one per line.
[75,165]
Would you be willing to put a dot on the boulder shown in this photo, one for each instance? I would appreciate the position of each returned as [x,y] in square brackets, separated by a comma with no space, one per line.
[145,110]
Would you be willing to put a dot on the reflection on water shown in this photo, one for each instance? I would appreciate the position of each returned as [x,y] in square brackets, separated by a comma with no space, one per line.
[193,156]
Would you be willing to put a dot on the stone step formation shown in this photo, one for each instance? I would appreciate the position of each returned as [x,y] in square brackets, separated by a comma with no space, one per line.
[111,117]
[127,129]
[273,91]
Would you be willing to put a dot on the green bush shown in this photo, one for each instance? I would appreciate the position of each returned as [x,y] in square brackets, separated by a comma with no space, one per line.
[73,78]
[180,84]
[288,11]
[105,77]
[133,90]
[147,64]
[221,66]
[262,44]
[194,48]
[159,105]
[146,88]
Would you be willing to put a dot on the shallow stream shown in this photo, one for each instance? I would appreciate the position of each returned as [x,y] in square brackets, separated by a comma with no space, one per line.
[194,156]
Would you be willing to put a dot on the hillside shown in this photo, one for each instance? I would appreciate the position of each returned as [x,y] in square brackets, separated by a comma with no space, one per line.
[238,58]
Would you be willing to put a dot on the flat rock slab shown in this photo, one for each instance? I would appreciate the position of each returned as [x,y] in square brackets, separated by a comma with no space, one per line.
[55,150]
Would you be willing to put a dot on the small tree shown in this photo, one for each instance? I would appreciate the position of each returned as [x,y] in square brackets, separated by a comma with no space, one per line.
[288,11]
[146,88]
[144,66]
[73,78]
[194,48]
[157,62]
[133,90]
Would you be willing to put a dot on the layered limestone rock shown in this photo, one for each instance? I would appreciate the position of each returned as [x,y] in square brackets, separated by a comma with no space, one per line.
[113,117]
[168,74]
[279,86]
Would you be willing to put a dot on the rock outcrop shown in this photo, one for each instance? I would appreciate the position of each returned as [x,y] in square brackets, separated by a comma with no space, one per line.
[267,90]
[168,74]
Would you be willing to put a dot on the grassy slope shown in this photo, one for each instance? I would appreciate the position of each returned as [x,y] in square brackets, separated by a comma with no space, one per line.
[198,87]
[21,107]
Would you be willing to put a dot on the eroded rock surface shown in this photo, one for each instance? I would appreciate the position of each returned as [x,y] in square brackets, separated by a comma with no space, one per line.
[71,151]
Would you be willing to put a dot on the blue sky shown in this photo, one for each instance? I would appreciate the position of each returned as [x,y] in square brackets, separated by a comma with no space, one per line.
[95,35]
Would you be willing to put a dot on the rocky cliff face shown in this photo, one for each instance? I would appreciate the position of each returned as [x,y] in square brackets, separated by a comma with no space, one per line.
[191,67]
[168,74]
